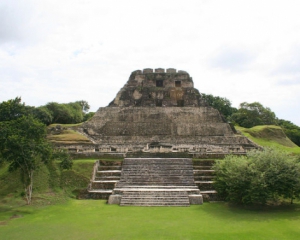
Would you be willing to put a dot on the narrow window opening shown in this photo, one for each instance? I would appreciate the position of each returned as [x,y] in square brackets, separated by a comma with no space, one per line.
[159,83]
[177,83]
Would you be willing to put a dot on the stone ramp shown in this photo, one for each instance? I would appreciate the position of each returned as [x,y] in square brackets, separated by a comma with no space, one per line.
[156,182]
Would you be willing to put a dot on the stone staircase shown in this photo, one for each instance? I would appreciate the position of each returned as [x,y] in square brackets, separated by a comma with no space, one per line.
[105,176]
[203,176]
[156,182]
[155,198]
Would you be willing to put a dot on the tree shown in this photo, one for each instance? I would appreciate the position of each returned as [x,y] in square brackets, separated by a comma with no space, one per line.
[88,116]
[279,171]
[258,178]
[291,130]
[253,114]
[85,107]
[60,112]
[23,143]
[12,109]
[73,112]
[223,105]
[43,114]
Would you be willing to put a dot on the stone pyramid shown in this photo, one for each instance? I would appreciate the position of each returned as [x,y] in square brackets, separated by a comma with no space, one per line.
[161,112]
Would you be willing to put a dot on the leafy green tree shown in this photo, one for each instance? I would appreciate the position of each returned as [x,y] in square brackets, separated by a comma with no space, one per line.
[220,103]
[23,143]
[280,173]
[88,116]
[253,114]
[258,178]
[233,177]
[12,109]
[64,157]
[85,107]
[43,114]
[73,112]
[60,112]
[76,112]
[291,130]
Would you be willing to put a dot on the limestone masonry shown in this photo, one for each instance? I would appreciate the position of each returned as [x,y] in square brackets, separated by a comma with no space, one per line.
[161,112]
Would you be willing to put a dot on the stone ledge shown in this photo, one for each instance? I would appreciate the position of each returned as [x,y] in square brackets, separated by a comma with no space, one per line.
[196,199]
[114,199]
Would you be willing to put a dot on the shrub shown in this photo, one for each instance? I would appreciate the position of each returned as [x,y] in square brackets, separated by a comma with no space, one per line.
[258,178]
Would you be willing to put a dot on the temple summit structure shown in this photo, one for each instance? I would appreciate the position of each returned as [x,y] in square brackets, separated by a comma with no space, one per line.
[160,112]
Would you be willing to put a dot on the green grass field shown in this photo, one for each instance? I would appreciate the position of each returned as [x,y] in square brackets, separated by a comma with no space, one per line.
[90,219]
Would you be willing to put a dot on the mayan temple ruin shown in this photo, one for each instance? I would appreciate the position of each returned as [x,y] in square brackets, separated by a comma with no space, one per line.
[161,112]
[158,122]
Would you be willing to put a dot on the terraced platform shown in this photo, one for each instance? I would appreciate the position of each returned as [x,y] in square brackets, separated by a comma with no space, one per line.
[156,182]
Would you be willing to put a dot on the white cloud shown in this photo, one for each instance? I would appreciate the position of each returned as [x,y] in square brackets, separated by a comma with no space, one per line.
[63,51]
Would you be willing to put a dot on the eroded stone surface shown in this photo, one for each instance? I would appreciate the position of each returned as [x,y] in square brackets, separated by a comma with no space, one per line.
[158,88]
[160,111]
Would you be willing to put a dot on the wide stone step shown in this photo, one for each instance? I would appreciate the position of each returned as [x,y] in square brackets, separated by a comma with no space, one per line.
[208,162]
[108,173]
[202,168]
[168,164]
[158,173]
[107,178]
[106,184]
[151,183]
[155,161]
[204,178]
[102,168]
[154,198]
[205,185]
[211,196]
[204,172]
[100,190]
[152,204]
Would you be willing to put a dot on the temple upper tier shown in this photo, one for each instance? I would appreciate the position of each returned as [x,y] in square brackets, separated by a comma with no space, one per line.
[158,88]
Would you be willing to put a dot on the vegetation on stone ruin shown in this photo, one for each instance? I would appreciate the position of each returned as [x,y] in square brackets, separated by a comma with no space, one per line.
[261,177]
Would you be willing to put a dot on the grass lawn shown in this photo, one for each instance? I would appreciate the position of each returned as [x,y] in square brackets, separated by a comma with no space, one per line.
[90,219]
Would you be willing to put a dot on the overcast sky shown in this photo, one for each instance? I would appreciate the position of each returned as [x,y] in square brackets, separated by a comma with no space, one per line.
[68,50]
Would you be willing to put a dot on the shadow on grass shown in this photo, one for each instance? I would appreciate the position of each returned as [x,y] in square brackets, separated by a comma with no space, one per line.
[237,213]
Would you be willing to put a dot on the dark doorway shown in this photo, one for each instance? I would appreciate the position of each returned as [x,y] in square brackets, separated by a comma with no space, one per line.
[177,83]
[180,103]
[159,83]
[158,102]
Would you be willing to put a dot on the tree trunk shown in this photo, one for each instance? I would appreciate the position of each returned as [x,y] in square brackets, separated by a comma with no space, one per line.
[28,188]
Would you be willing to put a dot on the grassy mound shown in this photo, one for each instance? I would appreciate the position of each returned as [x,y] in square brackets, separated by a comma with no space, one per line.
[68,137]
[269,136]
[66,134]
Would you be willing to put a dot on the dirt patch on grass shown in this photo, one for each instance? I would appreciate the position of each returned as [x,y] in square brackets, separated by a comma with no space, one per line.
[15,216]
